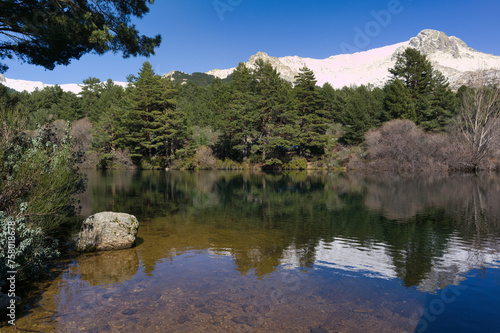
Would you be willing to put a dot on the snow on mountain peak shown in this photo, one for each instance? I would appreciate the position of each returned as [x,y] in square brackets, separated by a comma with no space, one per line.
[30,86]
[449,55]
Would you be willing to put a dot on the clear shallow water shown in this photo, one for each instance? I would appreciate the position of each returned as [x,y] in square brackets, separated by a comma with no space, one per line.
[229,252]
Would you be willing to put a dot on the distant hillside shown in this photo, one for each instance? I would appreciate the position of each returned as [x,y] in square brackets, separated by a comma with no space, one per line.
[200,79]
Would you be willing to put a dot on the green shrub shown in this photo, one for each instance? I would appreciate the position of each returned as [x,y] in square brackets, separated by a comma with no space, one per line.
[153,163]
[274,163]
[229,164]
[183,164]
[296,164]
[28,248]
[42,174]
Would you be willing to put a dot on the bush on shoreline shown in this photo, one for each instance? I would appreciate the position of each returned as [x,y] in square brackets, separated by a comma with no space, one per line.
[38,178]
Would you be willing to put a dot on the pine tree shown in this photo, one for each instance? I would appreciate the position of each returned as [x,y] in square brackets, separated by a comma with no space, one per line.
[271,104]
[443,105]
[90,94]
[109,128]
[333,100]
[177,128]
[146,114]
[414,70]
[311,115]
[363,110]
[398,102]
[428,88]
[219,96]
[237,118]
[49,33]
[193,100]
[285,131]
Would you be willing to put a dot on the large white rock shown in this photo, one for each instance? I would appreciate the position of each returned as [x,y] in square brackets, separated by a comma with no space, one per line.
[107,231]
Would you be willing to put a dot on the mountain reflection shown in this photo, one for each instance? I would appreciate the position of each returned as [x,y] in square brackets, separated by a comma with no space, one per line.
[426,230]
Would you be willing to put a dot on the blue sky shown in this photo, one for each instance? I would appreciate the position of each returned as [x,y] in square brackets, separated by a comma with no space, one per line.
[200,35]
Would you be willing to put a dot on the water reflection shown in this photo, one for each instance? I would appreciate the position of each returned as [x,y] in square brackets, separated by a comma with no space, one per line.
[285,252]
[108,267]
[427,230]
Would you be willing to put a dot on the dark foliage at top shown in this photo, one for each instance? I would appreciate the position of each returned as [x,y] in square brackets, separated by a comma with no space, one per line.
[53,32]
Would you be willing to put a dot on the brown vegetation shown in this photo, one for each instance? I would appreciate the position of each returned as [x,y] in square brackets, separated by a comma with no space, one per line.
[476,129]
[204,158]
[399,145]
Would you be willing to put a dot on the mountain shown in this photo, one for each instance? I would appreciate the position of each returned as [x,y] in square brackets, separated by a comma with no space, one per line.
[30,86]
[449,55]
[201,79]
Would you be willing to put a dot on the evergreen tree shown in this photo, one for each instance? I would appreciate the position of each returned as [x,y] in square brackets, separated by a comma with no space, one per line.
[443,105]
[219,96]
[414,70]
[68,107]
[177,127]
[237,120]
[193,100]
[363,110]
[146,114]
[109,127]
[49,104]
[90,93]
[333,100]
[243,107]
[311,115]
[285,131]
[429,90]
[49,33]
[271,104]
[398,102]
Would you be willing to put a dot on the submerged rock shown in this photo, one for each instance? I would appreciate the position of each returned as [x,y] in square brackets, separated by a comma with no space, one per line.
[107,231]
[318,330]
[5,302]
[247,320]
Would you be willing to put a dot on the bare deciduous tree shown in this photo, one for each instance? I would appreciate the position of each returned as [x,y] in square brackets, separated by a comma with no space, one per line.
[399,145]
[478,123]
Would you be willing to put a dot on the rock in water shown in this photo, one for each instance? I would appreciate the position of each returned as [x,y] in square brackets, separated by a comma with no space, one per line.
[107,231]
[5,302]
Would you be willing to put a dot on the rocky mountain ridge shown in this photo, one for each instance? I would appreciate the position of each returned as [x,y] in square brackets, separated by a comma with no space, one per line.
[449,55]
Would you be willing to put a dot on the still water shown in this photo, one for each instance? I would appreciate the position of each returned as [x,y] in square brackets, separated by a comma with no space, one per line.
[291,252]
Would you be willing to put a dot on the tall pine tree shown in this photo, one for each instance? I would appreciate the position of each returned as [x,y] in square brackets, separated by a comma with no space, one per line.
[398,102]
[238,118]
[273,102]
[311,114]
[434,102]
[145,118]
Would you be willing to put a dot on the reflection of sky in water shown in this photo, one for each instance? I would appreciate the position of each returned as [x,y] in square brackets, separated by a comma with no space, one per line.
[229,251]
[375,262]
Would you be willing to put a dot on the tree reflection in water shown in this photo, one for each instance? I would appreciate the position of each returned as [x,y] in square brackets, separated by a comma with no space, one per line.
[283,252]
[263,219]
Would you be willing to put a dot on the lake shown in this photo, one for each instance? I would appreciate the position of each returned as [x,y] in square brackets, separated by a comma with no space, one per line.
[289,252]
